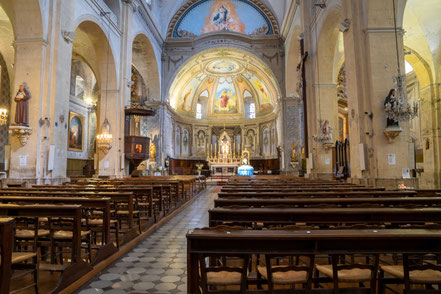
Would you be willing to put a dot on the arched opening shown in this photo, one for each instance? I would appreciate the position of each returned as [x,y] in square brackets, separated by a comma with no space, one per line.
[93,80]
[422,59]
[145,91]
[6,78]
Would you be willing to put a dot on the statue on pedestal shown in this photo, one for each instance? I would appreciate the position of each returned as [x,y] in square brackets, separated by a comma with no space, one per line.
[390,104]
[22,107]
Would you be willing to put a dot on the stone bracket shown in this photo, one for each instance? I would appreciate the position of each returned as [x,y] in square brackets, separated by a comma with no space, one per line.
[392,132]
[21,132]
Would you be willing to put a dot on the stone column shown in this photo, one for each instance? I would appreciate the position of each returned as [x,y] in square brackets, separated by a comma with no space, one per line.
[56,106]
[370,72]
[431,139]
[30,68]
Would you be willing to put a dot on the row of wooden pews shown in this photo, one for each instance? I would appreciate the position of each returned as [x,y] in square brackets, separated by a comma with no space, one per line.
[284,234]
[74,227]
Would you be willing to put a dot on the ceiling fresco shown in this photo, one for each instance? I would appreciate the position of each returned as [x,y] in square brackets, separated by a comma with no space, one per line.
[208,16]
[225,77]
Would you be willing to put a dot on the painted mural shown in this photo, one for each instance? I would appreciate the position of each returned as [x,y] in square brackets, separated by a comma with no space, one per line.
[208,16]
[186,96]
[225,101]
[262,91]
[224,79]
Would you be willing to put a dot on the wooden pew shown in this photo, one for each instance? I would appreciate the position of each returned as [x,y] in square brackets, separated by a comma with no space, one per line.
[7,237]
[298,189]
[344,202]
[324,216]
[317,242]
[91,203]
[318,194]
[126,197]
[65,211]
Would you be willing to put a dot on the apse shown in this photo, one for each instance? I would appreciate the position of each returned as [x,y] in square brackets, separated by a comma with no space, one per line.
[226,82]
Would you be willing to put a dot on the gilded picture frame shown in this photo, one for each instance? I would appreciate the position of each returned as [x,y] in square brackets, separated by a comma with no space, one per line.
[75,139]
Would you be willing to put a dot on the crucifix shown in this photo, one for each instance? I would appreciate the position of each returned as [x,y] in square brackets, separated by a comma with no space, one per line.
[301,90]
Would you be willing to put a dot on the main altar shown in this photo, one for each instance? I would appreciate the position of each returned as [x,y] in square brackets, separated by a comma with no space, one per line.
[225,159]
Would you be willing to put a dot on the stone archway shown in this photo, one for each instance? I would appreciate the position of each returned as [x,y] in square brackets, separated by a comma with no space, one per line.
[93,47]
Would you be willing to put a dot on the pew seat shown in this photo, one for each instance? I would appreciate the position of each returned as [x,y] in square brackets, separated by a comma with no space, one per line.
[68,235]
[348,275]
[223,278]
[18,257]
[29,234]
[428,276]
[281,277]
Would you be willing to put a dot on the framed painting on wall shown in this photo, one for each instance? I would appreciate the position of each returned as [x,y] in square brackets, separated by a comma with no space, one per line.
[76,131]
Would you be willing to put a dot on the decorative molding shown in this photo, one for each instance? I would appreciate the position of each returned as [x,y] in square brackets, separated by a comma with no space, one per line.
[30,41]
[270,58]
[190,3]
[68,36]
[384,30]
[21,132]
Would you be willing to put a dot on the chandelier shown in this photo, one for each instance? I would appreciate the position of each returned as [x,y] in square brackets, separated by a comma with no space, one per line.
[401,109]
[105,139]
[3,116]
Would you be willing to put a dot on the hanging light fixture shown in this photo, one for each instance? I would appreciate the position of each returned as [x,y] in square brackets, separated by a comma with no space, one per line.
[401,109]
[3,116]
[104,139]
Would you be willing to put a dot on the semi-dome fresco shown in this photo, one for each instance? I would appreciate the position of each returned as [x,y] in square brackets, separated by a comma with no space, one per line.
[223,78]
[208,16]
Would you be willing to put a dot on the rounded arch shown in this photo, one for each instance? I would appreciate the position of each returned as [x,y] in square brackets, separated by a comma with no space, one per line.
[328,36]
[420,66]
[31,10]
[173,31]
[93,46]
[292,60]
[210,71]
[144,60]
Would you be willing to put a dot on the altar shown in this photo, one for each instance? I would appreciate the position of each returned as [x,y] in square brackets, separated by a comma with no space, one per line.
[224,161]
[224,170]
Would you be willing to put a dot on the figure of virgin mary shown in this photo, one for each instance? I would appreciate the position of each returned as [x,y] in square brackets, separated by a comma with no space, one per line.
[22,107]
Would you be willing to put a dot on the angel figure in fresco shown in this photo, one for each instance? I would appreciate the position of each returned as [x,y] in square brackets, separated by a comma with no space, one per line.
[184,100]
[224,97]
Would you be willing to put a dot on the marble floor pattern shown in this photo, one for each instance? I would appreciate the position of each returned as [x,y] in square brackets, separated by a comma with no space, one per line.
[159,263]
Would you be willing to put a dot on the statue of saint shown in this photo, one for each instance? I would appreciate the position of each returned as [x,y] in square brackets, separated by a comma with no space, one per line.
[389,104]
[22,107]
[293,153]
[152,150]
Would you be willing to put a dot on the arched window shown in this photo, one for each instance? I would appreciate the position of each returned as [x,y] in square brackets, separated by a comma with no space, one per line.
[252,110]
[198,111]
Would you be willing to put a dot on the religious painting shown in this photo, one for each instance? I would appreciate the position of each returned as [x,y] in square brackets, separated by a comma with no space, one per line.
[185,99]
[266,141]
[208,16]
[262,92]
[138,148]
[223,66]
[185,141]
[225,101]
[178,141]
[76,129]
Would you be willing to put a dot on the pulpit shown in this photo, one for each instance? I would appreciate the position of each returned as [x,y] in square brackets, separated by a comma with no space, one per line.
[136,147]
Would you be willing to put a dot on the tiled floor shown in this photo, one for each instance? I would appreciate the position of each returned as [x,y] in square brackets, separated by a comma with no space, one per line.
[159,263]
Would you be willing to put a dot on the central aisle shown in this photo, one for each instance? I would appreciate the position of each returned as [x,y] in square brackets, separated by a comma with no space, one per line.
[159,263]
